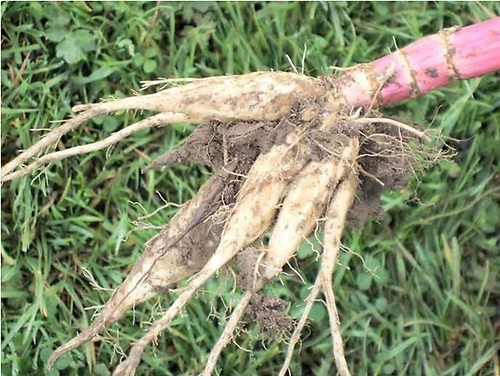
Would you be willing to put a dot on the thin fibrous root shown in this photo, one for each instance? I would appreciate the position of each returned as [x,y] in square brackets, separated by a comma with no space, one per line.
[164,248]
[336,216]
[232,324]
[311,298]
[259,96]
[394,123]
[47,140]
[153,121]
[304,204]
[252,215]
[177,81]
[227,333]
[56,134]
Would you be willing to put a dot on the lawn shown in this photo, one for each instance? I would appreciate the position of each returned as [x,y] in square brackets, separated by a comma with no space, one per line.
[418,292]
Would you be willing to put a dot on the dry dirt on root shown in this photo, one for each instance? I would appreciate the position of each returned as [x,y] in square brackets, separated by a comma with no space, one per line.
[267,311]
[385,161]
[313,131]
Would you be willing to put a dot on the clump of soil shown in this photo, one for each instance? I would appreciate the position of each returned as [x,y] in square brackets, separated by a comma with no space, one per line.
[385,157]
[269,313]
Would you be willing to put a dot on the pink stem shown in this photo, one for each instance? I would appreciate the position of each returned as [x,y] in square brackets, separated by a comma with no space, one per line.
[427,64]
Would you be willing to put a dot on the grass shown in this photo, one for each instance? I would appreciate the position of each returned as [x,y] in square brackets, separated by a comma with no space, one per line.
[424,301]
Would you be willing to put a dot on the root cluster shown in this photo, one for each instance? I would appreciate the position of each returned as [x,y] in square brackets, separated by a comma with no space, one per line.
[288,156]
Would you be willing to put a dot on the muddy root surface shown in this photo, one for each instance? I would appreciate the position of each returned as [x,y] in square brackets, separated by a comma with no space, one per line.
[385,161]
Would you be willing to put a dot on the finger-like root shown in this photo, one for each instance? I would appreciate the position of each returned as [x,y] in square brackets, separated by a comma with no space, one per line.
[295,221]
[153,121]
[333,230]
[304,204]
[163,262]
[334,226]
[254,210]
[260,96]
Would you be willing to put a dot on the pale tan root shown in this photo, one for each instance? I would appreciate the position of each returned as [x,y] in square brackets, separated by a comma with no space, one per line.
[47,140]
[333,230]
[305,202]
[303,206]
[394,123]
[159,252]
[153,121]
[260,96]
[254,210]
[336,215]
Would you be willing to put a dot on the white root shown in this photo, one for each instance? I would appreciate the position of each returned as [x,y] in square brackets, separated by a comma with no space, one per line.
[333,230]
[259,96]
[334,226]
[296,220]
[301,209]
[394,123]
[158,251]
[294,339]
[254,210]
[47,140]
[153,121]
[303,206]
[55,135]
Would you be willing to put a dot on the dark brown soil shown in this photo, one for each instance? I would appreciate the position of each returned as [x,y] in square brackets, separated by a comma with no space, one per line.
[199,244]
[216,144]
[385,157]
[269,313]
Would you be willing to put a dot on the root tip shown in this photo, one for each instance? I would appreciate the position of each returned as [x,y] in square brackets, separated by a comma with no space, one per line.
[53,359]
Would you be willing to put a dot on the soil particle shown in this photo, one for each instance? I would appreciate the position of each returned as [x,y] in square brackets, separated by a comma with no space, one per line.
[215,144]
[269,313]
